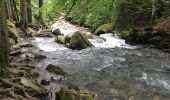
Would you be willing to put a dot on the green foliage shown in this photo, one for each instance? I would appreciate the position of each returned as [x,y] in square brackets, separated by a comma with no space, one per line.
[94,13]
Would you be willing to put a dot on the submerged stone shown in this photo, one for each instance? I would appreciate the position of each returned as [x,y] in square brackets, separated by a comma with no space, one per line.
[55,69]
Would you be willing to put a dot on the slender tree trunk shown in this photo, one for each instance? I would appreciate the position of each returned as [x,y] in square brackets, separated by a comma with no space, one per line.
[41,3]
[29,11]
[14,10]
[4,43]
[153,10]
[24,18]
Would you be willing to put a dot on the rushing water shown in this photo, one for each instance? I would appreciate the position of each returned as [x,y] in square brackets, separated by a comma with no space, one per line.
[112,69]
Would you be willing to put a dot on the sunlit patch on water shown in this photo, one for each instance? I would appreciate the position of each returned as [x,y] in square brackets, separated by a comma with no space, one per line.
[48,44]
[111,42]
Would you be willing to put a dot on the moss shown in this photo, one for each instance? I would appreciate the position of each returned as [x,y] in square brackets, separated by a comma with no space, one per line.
[60,39]
[39,57]
[10,24]
[79,41]
[74,95]
[55,69]
[125,34]
[11,41]
[105,28]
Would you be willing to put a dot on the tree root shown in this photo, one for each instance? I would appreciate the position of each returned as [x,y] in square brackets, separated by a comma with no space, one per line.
[22,91]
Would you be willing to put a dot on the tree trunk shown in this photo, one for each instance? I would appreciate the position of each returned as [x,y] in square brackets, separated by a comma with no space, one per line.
[41,3]
[8,9]
[24,18]
[4,43]
[29,11]
[14,10]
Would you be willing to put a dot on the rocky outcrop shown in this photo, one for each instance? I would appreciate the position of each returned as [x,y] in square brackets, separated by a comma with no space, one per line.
[105,28]
[159,38]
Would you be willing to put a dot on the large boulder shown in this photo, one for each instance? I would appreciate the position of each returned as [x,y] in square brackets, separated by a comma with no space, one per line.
[79,41]
[105,28]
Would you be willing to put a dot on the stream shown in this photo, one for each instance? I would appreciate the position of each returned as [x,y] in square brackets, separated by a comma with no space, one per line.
[112,69]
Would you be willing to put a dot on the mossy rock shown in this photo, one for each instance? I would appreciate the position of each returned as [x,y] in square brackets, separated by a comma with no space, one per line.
[11,41]
[55,69]
[105,28]
[68,38]
[74,95]
[79,41]
[10,24]
[13,33]
[60,39]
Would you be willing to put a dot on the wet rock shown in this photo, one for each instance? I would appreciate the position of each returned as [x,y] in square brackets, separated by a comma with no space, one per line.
[105,28]
[15,53]
[55,69]
[35,75]
[73,87]
[79,41]
[39,56]
[57,32]
[74,95]
[45,82]
[60,39]
[25,45]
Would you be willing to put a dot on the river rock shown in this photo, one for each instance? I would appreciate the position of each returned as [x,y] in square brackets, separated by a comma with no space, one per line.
[39,56]
[105,28]
[74,95]
[45,82]
[60,39]
[55,69]
[57,32]
[25,45]
[15,53]
[79,41]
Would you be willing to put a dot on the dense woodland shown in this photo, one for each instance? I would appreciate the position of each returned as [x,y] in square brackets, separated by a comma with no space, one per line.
[136,21]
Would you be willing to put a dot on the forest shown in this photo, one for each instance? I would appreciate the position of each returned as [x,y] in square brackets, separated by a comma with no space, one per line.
[84,49]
